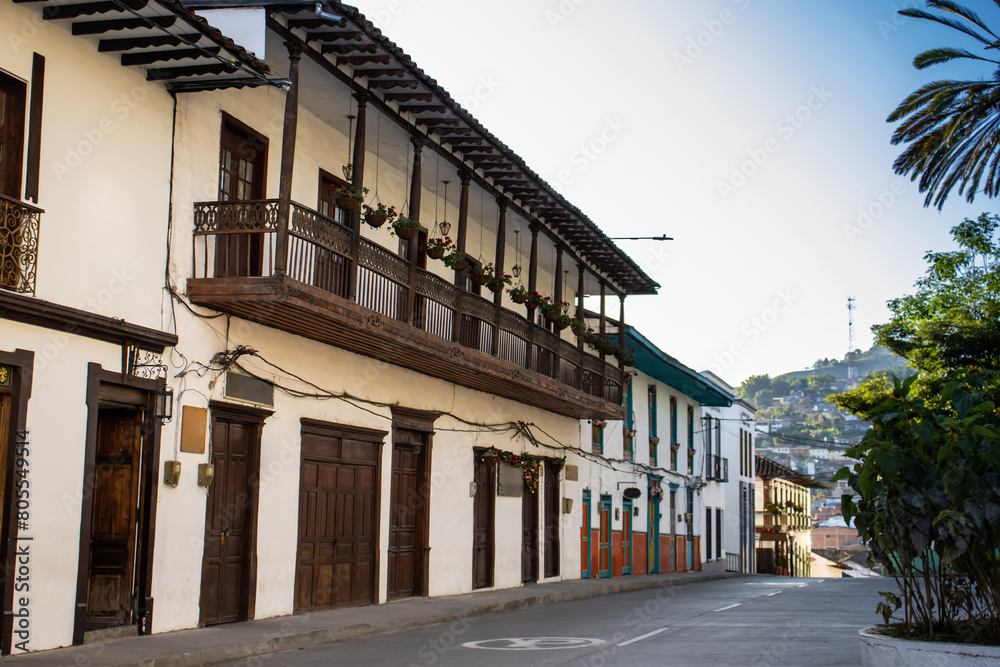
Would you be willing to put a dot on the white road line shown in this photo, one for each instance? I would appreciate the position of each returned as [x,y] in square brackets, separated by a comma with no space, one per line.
[640,638]
[773,594]
[803,585]
[729,607]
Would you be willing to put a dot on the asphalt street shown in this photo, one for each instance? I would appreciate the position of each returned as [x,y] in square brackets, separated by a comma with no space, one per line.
[756,621]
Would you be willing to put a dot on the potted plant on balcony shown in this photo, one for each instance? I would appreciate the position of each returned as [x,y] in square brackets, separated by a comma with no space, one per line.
[552,308]
[579,326]
[497,281]
[674,446]
[438,248]
[347,197]
[562,322]
[534,300]
[653,440]
[378,215]
[480,273]
[456,260]
[406,228]
[518,294]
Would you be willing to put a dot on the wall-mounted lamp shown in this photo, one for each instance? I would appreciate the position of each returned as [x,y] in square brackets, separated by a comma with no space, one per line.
[206,474]
[171,472]
[445,227]
[163,404]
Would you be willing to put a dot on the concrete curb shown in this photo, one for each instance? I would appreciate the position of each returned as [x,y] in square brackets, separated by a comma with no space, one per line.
[205,646]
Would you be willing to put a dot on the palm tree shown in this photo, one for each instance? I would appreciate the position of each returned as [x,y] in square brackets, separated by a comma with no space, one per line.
[952,128]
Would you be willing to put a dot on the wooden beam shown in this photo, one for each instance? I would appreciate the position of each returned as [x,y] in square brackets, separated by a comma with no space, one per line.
[164,73]
[354,61]
[391,83]
[150,57]
[375,72]
[56,12]
[98,27]
[408,97]
[128,43]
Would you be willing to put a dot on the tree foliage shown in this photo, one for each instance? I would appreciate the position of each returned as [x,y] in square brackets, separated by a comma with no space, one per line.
[928,479]
[951,128]
[953,319]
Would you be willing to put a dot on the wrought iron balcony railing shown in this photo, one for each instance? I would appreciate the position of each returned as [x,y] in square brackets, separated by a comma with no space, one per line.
[18,245]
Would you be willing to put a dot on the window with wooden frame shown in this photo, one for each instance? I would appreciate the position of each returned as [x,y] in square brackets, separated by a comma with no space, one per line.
[654,440]
[597,437]
[628,441]
[690,439]
[674,445]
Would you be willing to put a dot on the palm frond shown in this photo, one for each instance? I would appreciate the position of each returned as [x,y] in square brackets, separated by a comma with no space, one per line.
[964,12]
[951,23]
[944,54]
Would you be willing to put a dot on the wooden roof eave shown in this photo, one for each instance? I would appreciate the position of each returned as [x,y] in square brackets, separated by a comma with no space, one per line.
[630,281]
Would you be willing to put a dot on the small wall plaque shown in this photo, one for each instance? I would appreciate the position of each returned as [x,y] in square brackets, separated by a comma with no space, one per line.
[193,423]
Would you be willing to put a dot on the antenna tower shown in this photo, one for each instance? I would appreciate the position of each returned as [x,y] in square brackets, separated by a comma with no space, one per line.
[851,371]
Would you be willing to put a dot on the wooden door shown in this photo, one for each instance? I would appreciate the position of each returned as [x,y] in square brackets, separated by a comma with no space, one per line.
[337,523]
[604,538]
[483,511]
[653,531]
[405,509]
[225,579]
[111,574]
[551,532]
[529,536]
[331,271]
[627,536]
[690,528]
[242,163]
[585,537]
[13,94]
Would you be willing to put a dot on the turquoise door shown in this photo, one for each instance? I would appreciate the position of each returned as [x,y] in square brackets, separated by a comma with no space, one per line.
[627,537]
[604,539]
[653,531]
[690,529]
[585,537]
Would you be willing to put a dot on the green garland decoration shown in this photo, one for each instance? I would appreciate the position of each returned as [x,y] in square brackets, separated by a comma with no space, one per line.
[529,465]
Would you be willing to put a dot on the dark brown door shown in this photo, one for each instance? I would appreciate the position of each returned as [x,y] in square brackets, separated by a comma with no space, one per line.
[242,163]
[225,579]
[110,596]
[529,536]
[331,271]
[484,504]
[405,511]
[551,532]
[13,94]
[337,522]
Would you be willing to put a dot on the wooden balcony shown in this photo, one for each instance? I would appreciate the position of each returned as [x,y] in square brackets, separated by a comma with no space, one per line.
[344,290]
[18,245]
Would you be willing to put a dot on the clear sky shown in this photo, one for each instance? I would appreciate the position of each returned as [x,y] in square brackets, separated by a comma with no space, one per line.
[751,131]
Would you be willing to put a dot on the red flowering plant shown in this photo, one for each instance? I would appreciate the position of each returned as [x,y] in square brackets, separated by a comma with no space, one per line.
[438,248]
[379,214]
[552,308]
[534,300]
[497,281]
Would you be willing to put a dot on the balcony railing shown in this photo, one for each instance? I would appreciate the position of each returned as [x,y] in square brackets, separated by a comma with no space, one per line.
[18,245]
[238,239]
[716,468]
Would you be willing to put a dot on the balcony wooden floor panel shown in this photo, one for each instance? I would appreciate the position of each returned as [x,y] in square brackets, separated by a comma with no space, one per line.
[307,311]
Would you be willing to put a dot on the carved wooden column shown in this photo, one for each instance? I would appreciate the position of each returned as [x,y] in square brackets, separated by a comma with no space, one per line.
[621,327]
[463,228]
[603,332]
[357,182]
[498,261]
[287,159]
[532,287]
[558,289]
[410,246]
[580,286]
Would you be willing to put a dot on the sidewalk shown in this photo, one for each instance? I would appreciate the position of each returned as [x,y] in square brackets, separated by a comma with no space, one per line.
[243,640]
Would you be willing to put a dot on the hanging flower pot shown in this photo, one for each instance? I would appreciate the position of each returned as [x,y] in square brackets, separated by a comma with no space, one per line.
[562,322]
[405,228]
[551,310]
[518,294]
[494,287]
[378,215]
[478,278]
[438,248]
[435,253]
[348,198]
[534,300]
[456,260]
